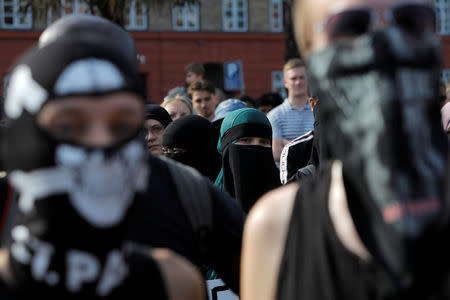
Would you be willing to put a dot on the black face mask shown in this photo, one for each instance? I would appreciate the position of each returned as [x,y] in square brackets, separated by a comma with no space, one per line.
[379,114]
[199,138]
[249,172]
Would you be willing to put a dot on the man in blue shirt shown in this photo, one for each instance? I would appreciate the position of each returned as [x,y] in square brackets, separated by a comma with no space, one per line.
[293,117]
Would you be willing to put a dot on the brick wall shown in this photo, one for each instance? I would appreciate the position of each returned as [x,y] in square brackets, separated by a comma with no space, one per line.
[166,54]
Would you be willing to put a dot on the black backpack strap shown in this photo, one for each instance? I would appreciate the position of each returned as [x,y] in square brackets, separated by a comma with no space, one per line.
[195,197]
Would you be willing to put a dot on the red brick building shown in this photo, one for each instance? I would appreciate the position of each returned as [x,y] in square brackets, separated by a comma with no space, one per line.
[169,36]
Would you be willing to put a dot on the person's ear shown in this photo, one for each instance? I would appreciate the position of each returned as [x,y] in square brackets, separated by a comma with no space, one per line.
[312,103]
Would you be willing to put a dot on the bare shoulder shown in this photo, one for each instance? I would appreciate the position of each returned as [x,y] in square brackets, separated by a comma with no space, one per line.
[183,280]
[265,234]
[4,265]
[273,210]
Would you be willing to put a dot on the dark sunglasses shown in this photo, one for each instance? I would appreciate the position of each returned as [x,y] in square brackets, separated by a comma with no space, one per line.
[414,18]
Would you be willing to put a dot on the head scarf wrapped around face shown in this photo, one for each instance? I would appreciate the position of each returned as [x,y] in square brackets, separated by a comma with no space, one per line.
[247,171]
[379,115]
[198,137]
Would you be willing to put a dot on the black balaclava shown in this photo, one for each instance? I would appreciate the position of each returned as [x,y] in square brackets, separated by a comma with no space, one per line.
[248,171]
[73,201]
[91,29]
[198,137]
[379,114]
[156,112]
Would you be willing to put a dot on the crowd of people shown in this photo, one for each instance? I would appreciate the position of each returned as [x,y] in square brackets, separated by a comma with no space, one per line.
[338,191]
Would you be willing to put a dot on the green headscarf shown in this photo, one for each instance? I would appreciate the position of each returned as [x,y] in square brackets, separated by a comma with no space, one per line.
[241,123]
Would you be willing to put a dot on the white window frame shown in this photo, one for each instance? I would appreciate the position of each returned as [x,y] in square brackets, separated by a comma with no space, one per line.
[278,83]
[184,9]
[5,81]
[133,18]
[234,16]
[442,9]
[16,15]
[278,20]
[77,5]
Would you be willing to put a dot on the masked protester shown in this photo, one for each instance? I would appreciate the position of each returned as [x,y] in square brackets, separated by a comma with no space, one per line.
[248,167]
[373,224]
[192,140]
[77,178]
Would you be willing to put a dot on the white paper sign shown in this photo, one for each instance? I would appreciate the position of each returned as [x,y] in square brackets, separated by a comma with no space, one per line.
[218,290]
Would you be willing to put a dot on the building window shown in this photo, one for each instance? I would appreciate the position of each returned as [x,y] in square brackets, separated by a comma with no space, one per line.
[278,83]
[135,15]
[15,14]
[234,15]
[74,7]
[276,15]
[446,76]
[5,84]
[442,8]
[185,17]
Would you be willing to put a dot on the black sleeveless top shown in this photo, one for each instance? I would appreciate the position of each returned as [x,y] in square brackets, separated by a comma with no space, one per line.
[316,265]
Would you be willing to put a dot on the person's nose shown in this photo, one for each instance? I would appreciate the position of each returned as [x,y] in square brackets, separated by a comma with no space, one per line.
[98,135]
[149,137]
[380,21]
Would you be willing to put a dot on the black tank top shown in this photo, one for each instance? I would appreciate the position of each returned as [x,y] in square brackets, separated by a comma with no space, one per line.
[315,264]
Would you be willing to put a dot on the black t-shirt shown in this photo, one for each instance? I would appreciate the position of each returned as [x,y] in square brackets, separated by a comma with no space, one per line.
[144,280]
[296,155]
[161,220]
[316,265]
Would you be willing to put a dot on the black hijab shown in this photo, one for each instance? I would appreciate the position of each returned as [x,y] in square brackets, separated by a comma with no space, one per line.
[198,137]
[247,171]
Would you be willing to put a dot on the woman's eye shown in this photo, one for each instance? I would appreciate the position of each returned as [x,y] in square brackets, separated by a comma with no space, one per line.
[243,140]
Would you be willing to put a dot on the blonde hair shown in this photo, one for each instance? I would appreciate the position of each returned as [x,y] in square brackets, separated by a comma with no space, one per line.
[178,97]
[292,63]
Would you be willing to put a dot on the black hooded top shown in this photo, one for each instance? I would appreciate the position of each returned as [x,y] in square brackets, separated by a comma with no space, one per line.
[198,137]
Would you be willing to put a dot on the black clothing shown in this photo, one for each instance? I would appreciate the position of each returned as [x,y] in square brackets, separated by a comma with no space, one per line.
[249,172]
[380,116]
[295,155]
[316,265]
[162,222]
[198,137]
[91,28]
[299,156]
[144,280]
[156,112]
